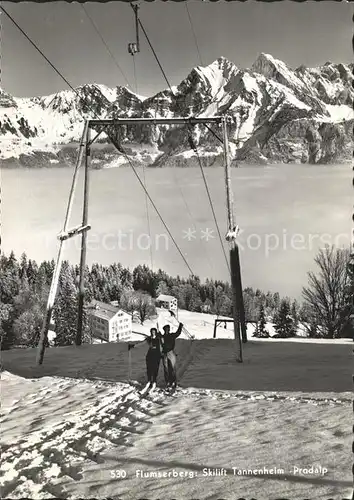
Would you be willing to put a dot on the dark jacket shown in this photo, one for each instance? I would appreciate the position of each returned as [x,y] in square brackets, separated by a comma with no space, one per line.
[155,344]
[169,341]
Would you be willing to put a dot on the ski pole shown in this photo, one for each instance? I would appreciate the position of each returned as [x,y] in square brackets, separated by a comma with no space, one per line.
[188,333]
[184,329]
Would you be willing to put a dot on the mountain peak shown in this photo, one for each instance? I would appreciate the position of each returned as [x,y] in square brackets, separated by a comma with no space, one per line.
[222,61]
[216,74]
[7,100]
[266,65]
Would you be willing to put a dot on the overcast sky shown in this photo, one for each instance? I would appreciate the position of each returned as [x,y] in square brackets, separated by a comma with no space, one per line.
[309,33]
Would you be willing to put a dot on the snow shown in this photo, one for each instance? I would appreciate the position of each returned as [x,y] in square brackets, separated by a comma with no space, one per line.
[187,154]
[53,126]
[201,326]
[202,152]
[72,425]
[213,76]
[252,83]
[339,113]
[116,162]
[55,116]
[248,126]
[281,68]
[294,100]
[211,110]
[61,123]
[139,96]
[110,94]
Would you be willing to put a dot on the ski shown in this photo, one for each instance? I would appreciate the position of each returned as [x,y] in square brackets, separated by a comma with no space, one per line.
[145,389]
[170,391]
[150,392]
[153,389]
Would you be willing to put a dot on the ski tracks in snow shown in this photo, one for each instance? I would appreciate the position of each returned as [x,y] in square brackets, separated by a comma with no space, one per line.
[37,463]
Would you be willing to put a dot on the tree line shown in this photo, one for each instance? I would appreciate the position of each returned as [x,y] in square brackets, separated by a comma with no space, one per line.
[326,310]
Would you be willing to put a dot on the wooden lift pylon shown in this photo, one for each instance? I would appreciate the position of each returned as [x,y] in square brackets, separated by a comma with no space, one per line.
[63,236]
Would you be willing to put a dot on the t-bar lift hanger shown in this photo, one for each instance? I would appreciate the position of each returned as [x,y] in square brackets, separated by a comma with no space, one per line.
[134,47]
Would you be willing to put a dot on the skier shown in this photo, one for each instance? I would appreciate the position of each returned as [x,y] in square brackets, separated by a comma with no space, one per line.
[168,341]
[153,356]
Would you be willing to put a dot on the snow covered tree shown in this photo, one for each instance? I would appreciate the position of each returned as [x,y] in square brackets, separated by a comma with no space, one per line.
[250,302]
[126,301]
[295,314]
[162,288]
[32,270]
[218,299]
[6,332]
[9,279]
[27,327]
[144,305]
[283,322]
[144,279]
[327,291]
[276,300]
[187,297]
[347,313]
[226,307]
[66,309]
[261,331]
[309,320]
[23,265]
[207,306]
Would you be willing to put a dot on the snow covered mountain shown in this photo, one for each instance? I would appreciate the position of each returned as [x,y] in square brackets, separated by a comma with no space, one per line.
[276,114]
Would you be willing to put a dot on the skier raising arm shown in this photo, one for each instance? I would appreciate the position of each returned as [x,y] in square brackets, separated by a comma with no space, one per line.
[168,342]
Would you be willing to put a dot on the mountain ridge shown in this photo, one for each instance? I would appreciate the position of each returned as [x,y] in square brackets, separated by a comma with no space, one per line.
[276,115]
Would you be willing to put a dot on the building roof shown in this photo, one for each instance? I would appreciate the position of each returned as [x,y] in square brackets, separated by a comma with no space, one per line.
[165,298]
[103,310]
[102,305]
[100,313]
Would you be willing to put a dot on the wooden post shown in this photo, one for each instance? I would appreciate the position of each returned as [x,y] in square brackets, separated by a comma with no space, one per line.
[129,365]
[234,254]
[215,326]
[239,282]
[78,338]
[229,197]
[242,307]
[55,279]
[136,8]
[235,279]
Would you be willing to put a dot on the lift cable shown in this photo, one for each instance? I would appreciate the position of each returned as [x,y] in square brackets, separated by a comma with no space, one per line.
[189,213]
[105,44]
[194,34]
[194,147]
[144,179]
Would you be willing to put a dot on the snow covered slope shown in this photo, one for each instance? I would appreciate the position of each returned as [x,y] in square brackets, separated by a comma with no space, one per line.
[74,438]
[276,115]
[73,420]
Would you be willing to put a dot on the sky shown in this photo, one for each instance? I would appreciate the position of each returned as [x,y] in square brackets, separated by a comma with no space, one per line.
[309,33]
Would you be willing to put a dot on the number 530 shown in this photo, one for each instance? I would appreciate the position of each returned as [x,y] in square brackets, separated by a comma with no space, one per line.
[118,474]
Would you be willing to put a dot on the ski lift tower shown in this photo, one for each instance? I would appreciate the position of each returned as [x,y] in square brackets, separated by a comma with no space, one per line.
[111,127]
